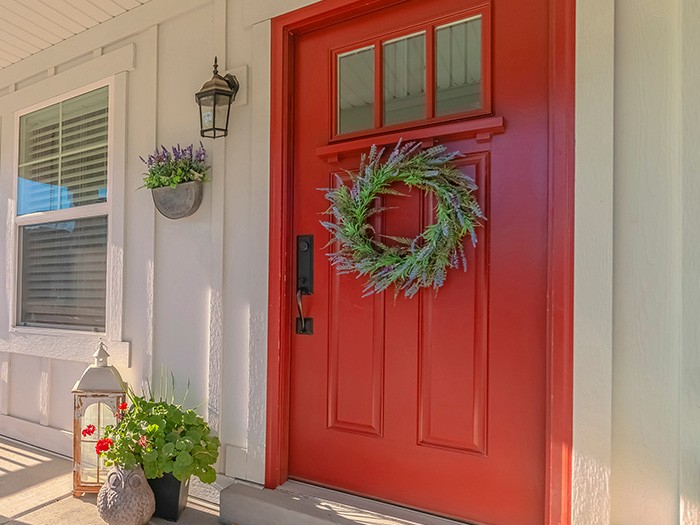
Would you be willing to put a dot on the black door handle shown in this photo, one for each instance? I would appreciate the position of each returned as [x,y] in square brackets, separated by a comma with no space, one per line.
[305,281]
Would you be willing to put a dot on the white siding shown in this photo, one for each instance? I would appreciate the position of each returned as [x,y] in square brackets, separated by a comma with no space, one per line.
[593,272]
[647,268]
[689,428]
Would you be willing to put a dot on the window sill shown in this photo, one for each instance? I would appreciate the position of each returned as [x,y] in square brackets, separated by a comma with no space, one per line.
[59,332]
[66,345]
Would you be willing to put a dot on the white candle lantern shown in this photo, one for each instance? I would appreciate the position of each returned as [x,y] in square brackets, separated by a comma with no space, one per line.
[97,398]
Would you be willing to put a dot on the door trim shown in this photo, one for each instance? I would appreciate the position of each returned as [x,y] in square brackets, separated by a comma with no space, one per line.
[558,431]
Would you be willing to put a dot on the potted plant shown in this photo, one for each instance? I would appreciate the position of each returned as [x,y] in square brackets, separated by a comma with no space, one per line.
[175,179]
[170,443]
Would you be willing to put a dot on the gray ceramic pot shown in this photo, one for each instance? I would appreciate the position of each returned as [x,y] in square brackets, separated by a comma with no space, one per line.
[178,202]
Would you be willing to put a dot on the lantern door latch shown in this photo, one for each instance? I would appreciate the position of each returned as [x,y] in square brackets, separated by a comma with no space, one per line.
[305,281]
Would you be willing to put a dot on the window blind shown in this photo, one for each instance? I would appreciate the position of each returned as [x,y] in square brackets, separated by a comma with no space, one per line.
[63,154]
[64,271]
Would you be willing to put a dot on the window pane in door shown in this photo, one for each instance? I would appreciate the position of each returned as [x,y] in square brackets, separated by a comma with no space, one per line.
[356,90]
[404,79]
[458,67]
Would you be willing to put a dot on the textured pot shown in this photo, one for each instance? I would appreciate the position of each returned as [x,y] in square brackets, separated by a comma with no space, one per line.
[126,497]
[171,496]
[178,202]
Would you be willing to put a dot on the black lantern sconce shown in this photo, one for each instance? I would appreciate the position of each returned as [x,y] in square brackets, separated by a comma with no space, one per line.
[214,100]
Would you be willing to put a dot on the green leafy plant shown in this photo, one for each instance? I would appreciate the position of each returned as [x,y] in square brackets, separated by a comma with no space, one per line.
[170,168]
[161,437]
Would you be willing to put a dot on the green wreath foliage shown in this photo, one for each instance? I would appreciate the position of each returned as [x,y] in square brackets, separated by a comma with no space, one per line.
[409,264]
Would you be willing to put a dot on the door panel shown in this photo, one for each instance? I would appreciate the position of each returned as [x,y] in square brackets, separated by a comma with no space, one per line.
[435,402]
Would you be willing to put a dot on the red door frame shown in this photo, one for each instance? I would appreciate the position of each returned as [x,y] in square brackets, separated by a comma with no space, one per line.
[560,241]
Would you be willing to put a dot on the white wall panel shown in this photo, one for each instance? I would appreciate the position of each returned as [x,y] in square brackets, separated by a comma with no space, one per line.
[592,439]
[24,391]
[689,430]
[182,250]
[647,268]
[64,374]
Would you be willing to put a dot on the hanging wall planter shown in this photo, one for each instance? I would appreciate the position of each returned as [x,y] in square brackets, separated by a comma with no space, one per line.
[180,201]
[175,179]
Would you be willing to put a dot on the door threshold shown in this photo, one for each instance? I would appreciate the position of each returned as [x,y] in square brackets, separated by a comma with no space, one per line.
[296,503]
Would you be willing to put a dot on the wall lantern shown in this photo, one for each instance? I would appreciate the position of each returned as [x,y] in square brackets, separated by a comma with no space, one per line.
[214,100]
[97,397]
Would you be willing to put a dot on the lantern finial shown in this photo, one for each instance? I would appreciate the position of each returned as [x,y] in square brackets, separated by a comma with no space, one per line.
[101,355]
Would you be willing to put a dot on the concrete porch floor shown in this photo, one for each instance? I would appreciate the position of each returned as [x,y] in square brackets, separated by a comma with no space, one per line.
[35,489]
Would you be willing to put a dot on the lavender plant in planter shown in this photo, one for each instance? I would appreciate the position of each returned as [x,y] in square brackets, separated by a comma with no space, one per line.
[175,178]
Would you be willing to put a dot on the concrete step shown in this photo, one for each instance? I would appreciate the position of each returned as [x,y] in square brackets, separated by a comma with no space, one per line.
[297,503]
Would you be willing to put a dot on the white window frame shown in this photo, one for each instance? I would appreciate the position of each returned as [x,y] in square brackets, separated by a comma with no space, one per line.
[112,208]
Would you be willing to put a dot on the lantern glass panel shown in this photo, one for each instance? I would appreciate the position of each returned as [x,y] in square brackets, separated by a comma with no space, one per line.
[92,468]
[206,105]
[88,463]
[222,108]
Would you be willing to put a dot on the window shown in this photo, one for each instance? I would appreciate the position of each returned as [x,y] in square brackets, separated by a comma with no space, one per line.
[63,214]
[434,74]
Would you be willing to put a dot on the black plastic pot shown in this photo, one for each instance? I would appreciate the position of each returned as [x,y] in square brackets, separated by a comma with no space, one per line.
[171,496]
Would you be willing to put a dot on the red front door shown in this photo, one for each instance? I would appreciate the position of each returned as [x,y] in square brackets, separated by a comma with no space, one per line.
[435,402]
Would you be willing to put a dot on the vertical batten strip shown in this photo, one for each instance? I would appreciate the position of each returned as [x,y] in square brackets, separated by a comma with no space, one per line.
[115,195]
[4,382]
[149,230]
[218,182]
[44,391]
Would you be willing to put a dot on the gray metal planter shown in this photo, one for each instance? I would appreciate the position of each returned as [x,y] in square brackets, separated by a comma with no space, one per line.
[178,202]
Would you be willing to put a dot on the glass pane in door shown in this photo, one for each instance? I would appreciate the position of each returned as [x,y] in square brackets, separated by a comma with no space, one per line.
[356,90]
[458,67]
[404,79]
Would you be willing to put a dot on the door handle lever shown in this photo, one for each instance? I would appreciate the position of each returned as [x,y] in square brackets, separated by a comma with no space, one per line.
[305,325]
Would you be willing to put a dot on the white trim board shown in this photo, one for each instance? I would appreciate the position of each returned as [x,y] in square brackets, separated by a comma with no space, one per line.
[101,67]
[66,347]
[52,439]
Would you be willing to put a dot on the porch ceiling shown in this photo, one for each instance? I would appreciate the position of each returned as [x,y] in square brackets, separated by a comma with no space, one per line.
[28,26]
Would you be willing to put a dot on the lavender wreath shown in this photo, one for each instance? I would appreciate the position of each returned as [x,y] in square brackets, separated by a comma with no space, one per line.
[410,264]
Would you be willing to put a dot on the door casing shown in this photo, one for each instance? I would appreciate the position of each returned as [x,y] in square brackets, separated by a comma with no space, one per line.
[560,282]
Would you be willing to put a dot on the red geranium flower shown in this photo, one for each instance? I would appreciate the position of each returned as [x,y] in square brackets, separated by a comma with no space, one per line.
[143,441]
[88,430]
[123,406]
[103,445]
